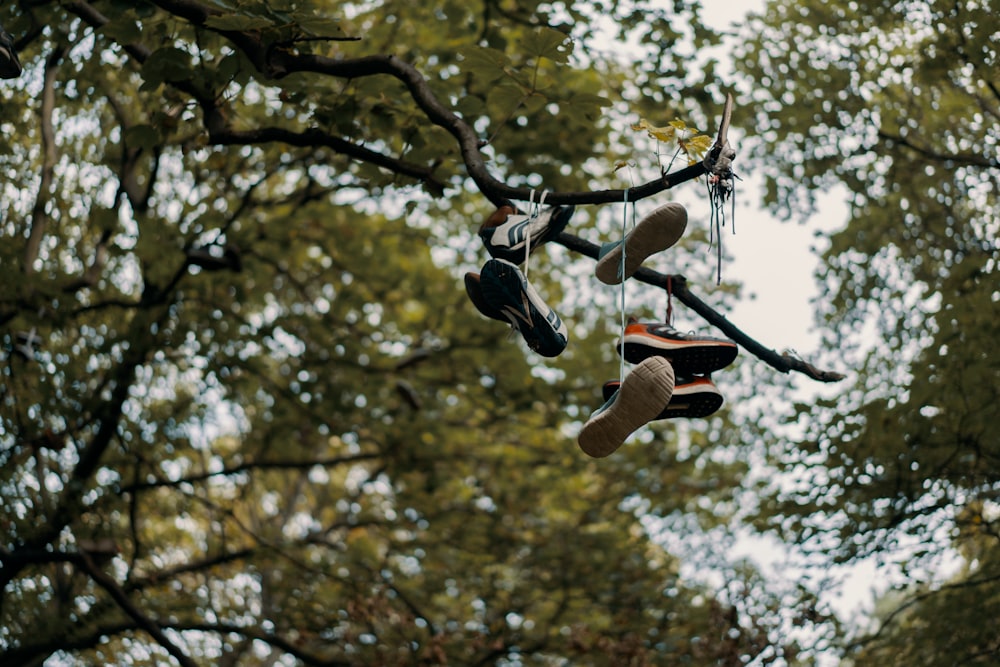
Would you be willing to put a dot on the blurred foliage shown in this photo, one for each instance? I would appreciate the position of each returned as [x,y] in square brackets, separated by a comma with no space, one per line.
[249,416]
[898,102]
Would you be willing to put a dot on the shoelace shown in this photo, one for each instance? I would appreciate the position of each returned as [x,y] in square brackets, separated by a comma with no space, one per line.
[532,213]
[534,210]
[721,186]
[621,270]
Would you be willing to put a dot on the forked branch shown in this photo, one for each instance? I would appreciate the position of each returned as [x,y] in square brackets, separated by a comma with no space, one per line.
[276,63]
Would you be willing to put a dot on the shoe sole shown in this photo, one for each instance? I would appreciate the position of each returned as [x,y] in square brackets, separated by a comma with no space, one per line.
[503,288]
[688,358]
[643,395]
[656,232]
[689,401]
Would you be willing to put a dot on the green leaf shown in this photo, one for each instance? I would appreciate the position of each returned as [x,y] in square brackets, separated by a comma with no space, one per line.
[123,30]
[318,26]
[228,67]
[486,64]
[548,43]
[142,136]
[535,103]
[166,64]
[587,99]
[470,106]
[504,99]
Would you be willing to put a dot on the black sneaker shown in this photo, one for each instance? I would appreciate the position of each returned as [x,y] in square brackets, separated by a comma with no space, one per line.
[10,66]
[692,398]
[510,235]
[475,291]
[505,290]
[689,354]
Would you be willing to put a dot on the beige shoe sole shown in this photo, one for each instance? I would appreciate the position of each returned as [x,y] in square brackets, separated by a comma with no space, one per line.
[641,398]
[659,230]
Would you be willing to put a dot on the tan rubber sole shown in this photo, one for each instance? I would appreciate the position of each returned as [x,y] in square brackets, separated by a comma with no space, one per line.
[659,230]
[641,398]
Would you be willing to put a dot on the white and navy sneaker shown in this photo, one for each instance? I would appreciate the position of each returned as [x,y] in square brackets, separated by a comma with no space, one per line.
[510,235]
[10,66]
[505,290]
[693,398]
[690,354]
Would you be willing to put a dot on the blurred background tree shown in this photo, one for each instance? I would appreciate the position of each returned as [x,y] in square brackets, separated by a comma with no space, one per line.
[899,103]
[249,416]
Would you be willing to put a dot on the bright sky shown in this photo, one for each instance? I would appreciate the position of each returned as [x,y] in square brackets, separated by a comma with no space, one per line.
[776,261]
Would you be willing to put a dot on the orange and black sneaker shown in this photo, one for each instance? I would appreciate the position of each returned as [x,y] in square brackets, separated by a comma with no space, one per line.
[692,398]
[689,354]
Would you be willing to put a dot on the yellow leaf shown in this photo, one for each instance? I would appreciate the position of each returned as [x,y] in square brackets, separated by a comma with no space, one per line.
[665,134]
[697,145]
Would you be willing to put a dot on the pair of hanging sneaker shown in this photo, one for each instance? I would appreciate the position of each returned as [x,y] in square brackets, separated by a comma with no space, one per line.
[502,292]
[671,379]
[672,373]
[652,390]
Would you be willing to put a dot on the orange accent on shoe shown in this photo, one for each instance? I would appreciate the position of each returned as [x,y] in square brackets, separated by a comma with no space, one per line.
[673,341]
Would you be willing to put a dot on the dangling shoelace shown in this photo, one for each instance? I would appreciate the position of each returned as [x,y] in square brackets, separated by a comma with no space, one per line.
[534,210]
[670,300]
[721,186]
[621,270]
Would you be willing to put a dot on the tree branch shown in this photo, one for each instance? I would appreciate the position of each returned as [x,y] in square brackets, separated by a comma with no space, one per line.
[962,160]
[498,192]
[143,621]
[278,63]
[35,654]
[224,135]
[252,466]
[678,285]
[39,214]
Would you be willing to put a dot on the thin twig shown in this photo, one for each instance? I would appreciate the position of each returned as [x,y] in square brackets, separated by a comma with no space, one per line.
[143,621]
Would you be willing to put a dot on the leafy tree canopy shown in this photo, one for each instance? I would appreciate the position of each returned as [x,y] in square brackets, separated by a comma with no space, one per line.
[899,102]
[248,414]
